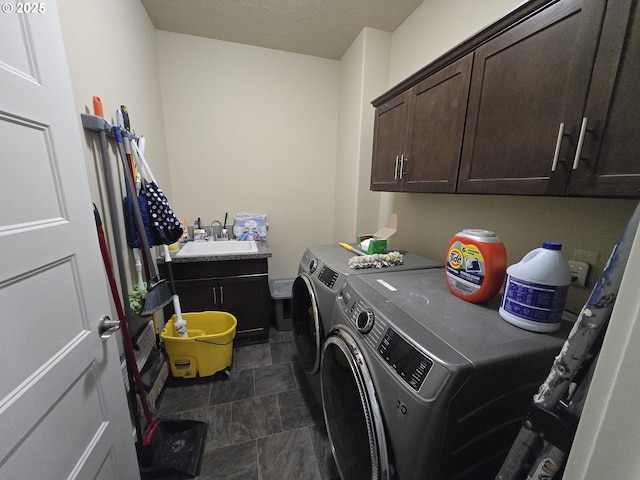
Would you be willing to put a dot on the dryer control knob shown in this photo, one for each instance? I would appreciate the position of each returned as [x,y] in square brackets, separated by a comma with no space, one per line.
[364,322]
[313,264]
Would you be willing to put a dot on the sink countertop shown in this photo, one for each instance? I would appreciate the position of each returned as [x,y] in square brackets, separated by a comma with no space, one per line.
[264,251]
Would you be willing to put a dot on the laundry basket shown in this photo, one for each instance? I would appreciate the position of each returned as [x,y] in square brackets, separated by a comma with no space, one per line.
[208,347]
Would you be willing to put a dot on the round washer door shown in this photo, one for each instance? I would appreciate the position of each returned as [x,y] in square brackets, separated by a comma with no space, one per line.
[351,411]
[307,325]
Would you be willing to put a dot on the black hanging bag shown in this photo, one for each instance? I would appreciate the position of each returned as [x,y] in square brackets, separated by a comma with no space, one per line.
[164,225]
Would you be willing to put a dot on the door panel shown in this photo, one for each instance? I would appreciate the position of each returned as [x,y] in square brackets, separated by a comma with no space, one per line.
[196,296]
[610,158]
[525,83]
[63,410]
[389,135]
[246,298]
[437,116]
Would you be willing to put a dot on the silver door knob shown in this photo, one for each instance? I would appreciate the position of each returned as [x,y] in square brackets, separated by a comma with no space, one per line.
[106,327]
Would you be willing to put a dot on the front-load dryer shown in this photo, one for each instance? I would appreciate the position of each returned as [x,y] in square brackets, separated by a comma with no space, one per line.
[321,273]
[419,384]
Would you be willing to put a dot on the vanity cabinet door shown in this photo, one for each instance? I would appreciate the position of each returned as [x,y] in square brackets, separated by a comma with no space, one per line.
[526,82]
[197,295]
[247,298]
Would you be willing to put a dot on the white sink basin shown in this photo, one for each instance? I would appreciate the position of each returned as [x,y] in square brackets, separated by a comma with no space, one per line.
[219,247]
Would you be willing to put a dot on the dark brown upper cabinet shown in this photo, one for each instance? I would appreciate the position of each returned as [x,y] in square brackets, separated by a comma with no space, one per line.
[526,83]
[549,107]
[418,134]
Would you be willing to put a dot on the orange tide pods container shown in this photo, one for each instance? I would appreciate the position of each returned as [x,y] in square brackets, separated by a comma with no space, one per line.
[476,264]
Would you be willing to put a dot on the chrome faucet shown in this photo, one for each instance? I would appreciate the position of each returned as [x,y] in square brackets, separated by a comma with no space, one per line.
[213,234]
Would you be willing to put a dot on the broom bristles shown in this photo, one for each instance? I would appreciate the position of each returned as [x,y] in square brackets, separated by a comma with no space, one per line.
[158,296]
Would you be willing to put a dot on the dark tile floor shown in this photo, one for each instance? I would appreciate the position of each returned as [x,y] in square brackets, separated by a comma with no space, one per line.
[263,421]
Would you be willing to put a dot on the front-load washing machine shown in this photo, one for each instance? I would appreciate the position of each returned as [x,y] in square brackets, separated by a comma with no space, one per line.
[419,384]
[321,273]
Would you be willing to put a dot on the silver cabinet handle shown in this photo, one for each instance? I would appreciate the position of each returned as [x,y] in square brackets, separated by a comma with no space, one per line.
[403,161]
[222,295]
[395,172]
[556,153]
[583,131]
[107,327]
[215,296]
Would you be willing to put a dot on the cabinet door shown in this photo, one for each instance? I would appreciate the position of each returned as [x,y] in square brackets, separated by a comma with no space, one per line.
[389,139]
[248,299]
[197,295]
[609,162]
[525,83]
[436,125]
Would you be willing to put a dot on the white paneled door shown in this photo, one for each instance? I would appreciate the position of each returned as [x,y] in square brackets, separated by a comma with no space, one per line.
[63,409]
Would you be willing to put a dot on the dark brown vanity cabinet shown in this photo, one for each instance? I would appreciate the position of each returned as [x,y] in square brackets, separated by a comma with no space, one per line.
[239,287]
[418,134]
[552,107]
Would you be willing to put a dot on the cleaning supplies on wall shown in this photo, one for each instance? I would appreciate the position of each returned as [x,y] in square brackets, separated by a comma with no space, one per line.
[536,289]
[475,264]
[250,226]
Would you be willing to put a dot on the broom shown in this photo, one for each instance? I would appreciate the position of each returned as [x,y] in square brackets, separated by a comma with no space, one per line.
[135,380]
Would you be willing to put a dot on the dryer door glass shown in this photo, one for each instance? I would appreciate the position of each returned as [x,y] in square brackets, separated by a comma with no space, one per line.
[307,326]
[351,411]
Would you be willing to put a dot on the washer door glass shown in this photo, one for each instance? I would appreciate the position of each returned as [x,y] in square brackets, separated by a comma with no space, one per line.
[351,411]
[307,326]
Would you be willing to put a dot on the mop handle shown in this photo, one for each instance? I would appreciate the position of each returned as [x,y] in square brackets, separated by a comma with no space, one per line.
[146,171]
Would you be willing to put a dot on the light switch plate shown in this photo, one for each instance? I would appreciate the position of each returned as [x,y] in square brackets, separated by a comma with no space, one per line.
[579,272]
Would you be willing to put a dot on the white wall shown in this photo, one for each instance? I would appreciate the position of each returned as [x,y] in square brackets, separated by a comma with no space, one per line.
[347,158]
[252,130]
[376,65]
[363,71]
[111,51]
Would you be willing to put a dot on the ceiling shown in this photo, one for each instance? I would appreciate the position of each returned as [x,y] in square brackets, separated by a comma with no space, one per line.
[322,28]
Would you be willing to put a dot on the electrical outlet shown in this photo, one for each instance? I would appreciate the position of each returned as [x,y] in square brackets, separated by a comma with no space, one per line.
[586,256]
[579,272]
